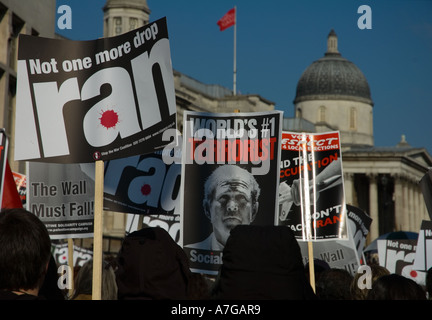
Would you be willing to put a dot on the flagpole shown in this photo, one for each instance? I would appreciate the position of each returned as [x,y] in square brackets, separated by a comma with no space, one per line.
[235,52]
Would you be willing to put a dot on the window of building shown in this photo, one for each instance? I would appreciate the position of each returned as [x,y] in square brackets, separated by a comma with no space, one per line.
[322,114]
[133,23]
[118,25]
[353,118]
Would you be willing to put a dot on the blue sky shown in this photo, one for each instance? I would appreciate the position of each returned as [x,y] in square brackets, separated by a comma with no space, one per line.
[278,39]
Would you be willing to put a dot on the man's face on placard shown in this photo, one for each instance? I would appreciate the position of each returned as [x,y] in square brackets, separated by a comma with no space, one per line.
[232,203]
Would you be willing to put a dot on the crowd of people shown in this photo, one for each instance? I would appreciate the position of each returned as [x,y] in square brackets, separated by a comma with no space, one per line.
[259,263]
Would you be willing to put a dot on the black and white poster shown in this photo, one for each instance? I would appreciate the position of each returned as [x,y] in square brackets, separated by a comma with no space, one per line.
[62,197]
[311,191]
[80,255]
[347,253]
[143,184]
[398,255]
[230,176]
[81,101]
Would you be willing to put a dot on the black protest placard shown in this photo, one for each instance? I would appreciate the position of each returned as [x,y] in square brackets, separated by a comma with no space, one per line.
[230,176]
[311,191]
[359,224]
[168,222]
[143,184]
[81,101]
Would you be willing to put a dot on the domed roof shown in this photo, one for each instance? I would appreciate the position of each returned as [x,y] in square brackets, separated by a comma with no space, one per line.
[135,4]
[333,78]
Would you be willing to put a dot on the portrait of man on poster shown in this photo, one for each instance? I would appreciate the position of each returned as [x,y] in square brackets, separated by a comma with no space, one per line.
[230,198]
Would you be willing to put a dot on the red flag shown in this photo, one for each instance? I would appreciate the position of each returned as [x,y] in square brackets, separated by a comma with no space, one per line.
[11,198]
[227,20]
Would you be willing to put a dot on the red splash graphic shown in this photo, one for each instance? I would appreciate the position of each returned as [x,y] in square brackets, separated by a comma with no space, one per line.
[109,119]
[146,189]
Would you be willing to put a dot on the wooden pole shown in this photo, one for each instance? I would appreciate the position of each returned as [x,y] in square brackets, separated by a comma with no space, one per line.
[98,231]
[71,266]
[311,265]
[306,204]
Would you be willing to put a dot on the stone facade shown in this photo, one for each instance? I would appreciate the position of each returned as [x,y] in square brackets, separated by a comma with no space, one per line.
[121,16]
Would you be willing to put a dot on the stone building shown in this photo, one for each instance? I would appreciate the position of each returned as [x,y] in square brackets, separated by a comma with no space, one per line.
[18,17]
[333,94]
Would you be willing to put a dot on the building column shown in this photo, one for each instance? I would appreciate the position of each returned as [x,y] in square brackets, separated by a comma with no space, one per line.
[349,187]
[419,211]
[412,207]
[425,212]
[398,201]
[405,207]
[373,205]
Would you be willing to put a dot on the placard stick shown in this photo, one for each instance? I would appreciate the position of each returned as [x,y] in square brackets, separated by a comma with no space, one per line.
[71,266]
[306,204]
[311,265]
[98,230]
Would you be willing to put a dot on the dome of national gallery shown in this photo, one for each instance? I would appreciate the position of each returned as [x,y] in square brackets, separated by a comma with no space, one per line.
[333,78]
[122,4]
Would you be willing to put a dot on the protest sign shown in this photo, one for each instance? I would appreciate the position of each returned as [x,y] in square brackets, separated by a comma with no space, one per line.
[61,195]
[170,223]
[423,256]
[80,255]
[398,257]
[230,176]
[311,191]
[139,184]
[81,101]
[343,254]
[359,223]
[21,184]
[86,101]
[143,184]
[146,184]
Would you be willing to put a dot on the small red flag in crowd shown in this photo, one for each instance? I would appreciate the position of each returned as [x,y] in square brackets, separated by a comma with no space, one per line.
[11,198]
[227,20]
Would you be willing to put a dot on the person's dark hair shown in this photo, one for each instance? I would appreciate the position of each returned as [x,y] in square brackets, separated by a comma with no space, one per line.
[152,266]
[334,284]
[262,263]
[396,287]
[25,250]
[84,281]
